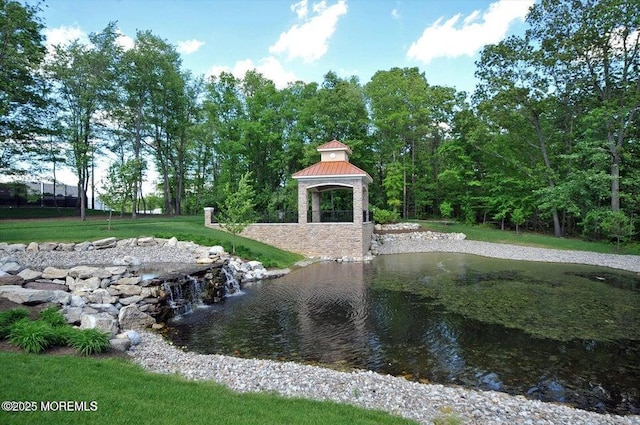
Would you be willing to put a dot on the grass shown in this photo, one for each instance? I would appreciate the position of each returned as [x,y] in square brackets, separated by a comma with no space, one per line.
[490,234]
[125,394]
[186,228]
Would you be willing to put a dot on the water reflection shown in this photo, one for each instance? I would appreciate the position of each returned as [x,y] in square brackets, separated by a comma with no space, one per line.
[391,316]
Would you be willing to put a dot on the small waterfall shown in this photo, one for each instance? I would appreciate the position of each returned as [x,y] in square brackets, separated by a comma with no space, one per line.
[233,286]
[182,297]
[186,292]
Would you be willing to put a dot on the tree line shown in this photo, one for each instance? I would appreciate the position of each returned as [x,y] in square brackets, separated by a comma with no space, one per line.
[548,139]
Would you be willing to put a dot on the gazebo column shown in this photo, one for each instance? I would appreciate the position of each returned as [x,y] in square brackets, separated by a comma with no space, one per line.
[303,205]
[365,202]
[357,202]
[315,206]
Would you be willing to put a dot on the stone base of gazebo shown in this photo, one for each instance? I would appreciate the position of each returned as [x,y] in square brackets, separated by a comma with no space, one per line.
[335,240]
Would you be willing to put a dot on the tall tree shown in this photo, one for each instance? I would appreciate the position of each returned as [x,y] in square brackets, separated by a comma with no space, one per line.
[22,88]
[84,82]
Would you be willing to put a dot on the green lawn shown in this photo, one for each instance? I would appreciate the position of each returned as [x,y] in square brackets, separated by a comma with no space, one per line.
[125,394]
[185,228]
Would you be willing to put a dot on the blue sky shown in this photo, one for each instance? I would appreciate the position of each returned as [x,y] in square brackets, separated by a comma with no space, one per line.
[303,40]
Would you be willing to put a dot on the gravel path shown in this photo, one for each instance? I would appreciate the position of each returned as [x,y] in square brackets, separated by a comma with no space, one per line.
[407,242]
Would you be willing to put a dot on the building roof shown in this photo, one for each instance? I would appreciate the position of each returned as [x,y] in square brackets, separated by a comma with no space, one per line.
[332,169]
[334,145]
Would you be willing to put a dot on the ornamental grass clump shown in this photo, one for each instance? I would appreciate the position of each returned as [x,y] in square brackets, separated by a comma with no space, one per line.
[9,317]
[53,316]
[89,341]
[32,336]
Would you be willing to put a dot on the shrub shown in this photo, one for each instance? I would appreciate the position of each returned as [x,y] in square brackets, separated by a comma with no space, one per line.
[382,216]
[53,316]
[89,341]
[32,336]
[9,317]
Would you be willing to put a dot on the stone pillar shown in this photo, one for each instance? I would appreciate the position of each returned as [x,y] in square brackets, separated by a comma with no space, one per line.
[208,215]
[365,202]
[302,203]
[357,202]
[315,207]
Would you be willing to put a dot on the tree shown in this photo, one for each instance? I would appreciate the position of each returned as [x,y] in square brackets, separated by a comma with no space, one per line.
[238,207]
[84,79]
[22,88]
[118,187]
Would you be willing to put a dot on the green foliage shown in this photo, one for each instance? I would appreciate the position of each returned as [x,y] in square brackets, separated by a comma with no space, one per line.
[53,316]
[9,317]
[446,209]
[32,336]
[89,341]
[382,216]
[518,218]
[238,208]
[616,225]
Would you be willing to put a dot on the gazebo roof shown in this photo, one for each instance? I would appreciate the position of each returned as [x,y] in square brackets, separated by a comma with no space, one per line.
[332,169]
[334,145]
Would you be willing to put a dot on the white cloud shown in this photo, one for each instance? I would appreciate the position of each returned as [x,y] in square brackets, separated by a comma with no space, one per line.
[189,46]
[308,40]
[395,14]
[269,67]
[446,39]
[64,35]
[126,42]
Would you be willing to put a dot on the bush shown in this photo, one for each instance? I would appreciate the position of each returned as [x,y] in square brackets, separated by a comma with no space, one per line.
[382,216]
[89,341]
[9,317]
[53,316]
[32,336]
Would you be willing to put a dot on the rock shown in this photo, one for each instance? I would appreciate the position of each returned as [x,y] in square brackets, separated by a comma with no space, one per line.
[255,265]
[72,314]
[130,317]
[126,242]
[83,246]
[47,246]
[27,296]
[133,280]
[126,289]
[67,247]
[46,286]
[105,243]
[132,336]
[102,321]
[77,301]
[216,250]
[120,344]
[28,274]
[127,260]
[10,279]
[11,267]
[85,272]
[54,273]
[172,243]
[101,296]
[146,241]
[205,260]
[117,270]
[32,247]
[105,308]
[85,285]
[187,246]
[130,300]
[15,247]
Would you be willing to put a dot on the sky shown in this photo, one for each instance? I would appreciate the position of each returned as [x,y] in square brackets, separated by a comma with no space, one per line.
[287,40]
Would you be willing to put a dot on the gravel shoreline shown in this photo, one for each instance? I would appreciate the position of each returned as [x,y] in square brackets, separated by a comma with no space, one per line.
[420,402]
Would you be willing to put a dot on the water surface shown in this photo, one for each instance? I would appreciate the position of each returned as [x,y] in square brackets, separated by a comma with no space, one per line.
[554,332]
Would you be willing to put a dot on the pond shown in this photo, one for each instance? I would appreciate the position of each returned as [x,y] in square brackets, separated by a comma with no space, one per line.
[553,332]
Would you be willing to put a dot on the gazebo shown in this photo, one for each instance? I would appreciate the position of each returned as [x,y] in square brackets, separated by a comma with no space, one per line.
[333,172]
[313,235]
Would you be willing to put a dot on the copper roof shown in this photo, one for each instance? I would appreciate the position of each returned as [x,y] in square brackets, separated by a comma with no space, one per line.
[331,169]
[334,145]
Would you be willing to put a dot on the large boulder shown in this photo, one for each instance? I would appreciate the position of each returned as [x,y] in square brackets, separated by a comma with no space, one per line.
[130,317]
[28,274]
[54,273]
[105,243]
[28,296]
[102,321]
